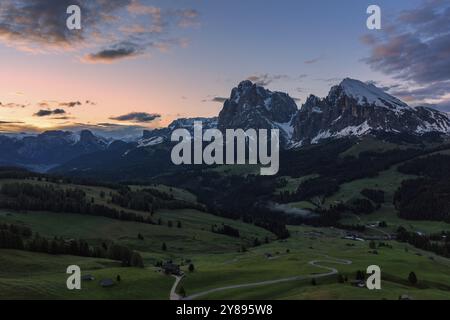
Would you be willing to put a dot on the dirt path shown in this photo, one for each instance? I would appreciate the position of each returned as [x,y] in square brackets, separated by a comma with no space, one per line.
[173,292]
[315,263]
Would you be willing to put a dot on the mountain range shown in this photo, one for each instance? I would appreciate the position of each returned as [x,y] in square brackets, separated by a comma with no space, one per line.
[352,108]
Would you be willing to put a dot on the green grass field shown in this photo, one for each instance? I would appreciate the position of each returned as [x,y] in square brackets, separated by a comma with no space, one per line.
[177,193]
[308,244]
[370,144]
[237,170]
[194,236]
[26,275]
[293,183]
[387,213]
[32,275]
[217,258]
[388,181]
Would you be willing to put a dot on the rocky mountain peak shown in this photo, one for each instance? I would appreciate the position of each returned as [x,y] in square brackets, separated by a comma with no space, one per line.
[364,94]
[86,136]
[357,108]
[253,106]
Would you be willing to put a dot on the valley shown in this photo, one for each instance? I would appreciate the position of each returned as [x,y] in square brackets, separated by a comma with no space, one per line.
[227,267]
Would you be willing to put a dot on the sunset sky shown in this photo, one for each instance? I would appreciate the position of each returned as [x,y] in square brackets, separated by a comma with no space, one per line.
[141,64]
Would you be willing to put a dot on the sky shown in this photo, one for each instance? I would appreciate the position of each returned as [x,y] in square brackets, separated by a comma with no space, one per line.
[140,64]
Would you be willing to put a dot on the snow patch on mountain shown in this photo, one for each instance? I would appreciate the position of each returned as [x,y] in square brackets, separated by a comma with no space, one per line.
[360,130]
[150,142]
[367,93]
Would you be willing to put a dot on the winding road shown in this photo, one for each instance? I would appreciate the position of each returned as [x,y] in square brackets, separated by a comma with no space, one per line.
[173,292]
[315,263]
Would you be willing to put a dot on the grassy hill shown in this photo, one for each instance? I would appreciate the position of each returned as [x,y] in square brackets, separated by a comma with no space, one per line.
[41,276]
[221,260]
[27,275]
[307,244]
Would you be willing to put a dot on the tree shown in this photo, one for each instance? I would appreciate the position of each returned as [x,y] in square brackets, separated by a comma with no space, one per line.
[191,268]
[118,278]
[360,275]
[372,245]
[136,260]
[164,247]
[383,224]
[412,278]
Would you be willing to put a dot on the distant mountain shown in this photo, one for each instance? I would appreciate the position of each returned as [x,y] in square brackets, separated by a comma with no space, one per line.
[354,108]
[48,149]
[158,136]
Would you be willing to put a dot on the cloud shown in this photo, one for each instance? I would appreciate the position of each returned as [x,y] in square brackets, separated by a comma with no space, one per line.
[109,130]
[416,51]
[138,117]
[266,79]
[41,24]
[12,105]
[188,18]
[292,211]
[112,30]
[70,104]
[48,112]
[443,105]
[330,81]
[312,61]
[67,104]
[11,122]
[219,99]
[215,98]
[17,126]
[63,118]
[116,52]
[435,90]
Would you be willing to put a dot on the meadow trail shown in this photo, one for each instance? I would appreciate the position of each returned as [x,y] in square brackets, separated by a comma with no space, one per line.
[315,263]
[173,292]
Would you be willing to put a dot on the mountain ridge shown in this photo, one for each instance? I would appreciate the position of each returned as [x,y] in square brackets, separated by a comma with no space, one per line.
[352,108]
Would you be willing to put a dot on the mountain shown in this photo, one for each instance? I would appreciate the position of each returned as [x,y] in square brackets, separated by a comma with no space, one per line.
[252,106]
[158,136]
[354,108]
[50,148]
